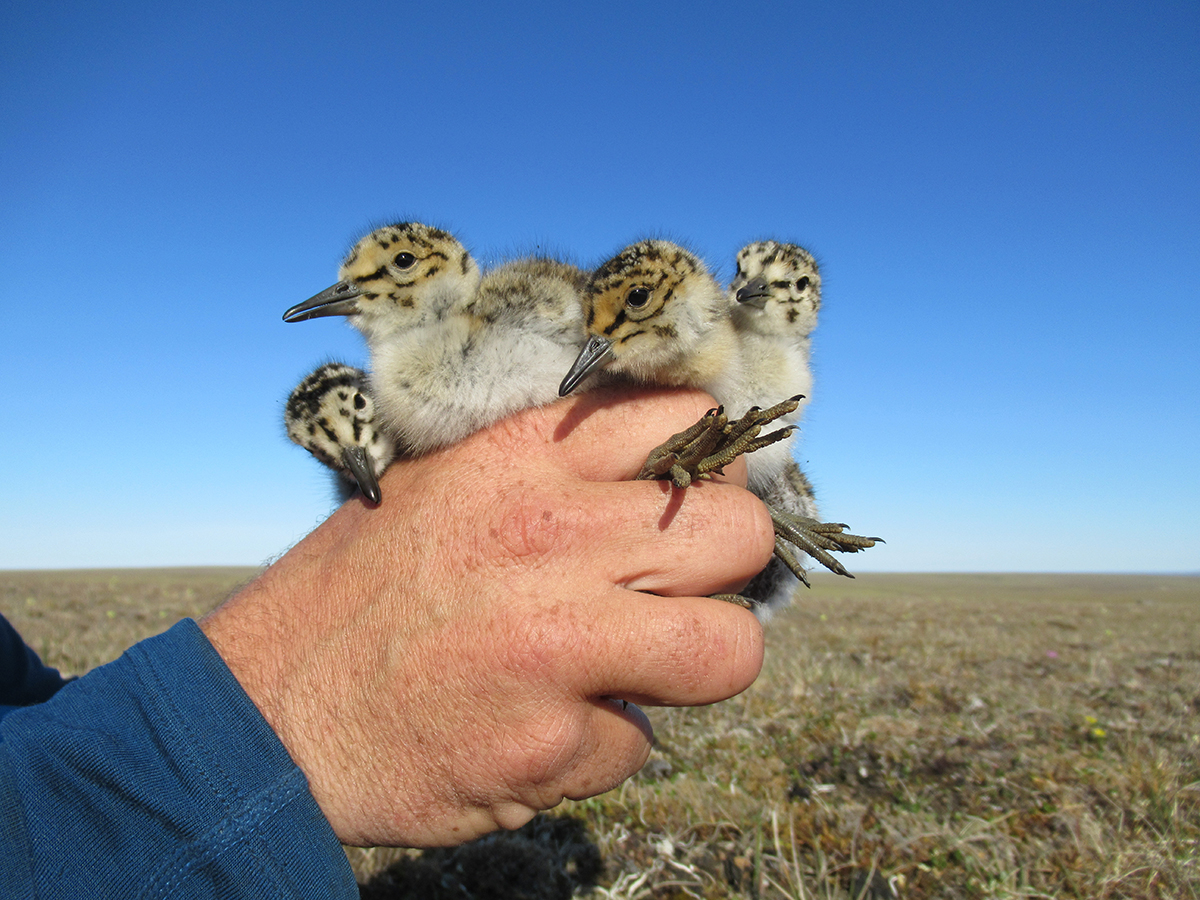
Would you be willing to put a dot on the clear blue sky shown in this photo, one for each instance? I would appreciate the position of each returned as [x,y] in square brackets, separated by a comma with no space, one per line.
[1005,199]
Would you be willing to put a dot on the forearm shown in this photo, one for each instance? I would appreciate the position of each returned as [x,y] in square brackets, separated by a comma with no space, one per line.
[156,775]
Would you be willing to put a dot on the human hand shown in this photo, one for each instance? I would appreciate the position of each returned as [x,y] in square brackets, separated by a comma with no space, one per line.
[449,662]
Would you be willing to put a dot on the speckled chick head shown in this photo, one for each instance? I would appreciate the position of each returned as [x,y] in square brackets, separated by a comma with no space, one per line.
[777,289]
[332,416]
[653,313]
[399,276]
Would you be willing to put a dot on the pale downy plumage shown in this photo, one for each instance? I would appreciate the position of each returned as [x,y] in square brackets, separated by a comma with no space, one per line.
[775,296]
[655,314]
[331,415]
[500,351]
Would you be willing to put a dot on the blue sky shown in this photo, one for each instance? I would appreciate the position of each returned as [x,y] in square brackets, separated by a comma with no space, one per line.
[1005,200]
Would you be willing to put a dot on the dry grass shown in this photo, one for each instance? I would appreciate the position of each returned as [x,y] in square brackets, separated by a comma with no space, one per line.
[911,736]
[77,619]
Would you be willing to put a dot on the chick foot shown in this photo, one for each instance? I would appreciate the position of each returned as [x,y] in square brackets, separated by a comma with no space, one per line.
[714,442]
[816,539]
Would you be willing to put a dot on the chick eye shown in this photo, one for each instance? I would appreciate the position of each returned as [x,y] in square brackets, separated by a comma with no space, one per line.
[404,260]
[360,402]
[801,282]
[637,298]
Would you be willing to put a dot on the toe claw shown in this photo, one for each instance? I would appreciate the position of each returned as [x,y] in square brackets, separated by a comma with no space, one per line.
[736,599]
[817,539]
[714,442]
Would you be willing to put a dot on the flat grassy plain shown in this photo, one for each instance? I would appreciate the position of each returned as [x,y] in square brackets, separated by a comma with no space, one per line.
[911,736]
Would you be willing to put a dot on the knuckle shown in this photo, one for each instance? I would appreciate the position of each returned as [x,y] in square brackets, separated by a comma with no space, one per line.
[525,526]
[683,407]
[542,645]
[547,749]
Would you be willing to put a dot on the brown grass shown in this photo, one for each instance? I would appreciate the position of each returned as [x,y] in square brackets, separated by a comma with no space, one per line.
[77,619]
[911,736]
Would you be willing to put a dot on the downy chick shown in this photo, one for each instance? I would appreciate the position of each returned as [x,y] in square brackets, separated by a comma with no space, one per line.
[452,352]
[331,415]
[655,314]
[777,290]
[776,294]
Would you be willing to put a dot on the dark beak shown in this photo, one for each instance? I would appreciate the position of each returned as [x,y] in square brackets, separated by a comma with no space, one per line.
[339,300]
[359,464]
[593,355]
[755,293]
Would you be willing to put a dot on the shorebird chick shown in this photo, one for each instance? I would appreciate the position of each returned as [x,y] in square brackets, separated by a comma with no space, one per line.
[395,279]
[406,288]
[654,314]
[777,292]
[331,415]
[776,295]
[452,352]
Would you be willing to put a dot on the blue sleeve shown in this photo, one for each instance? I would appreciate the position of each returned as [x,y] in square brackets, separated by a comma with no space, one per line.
[23,677]
[155,776]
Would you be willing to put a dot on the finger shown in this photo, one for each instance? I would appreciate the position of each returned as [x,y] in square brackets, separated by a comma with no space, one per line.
[612,742]
[606,434]
[671,651]
[617,746]
[707,539]
[641,534]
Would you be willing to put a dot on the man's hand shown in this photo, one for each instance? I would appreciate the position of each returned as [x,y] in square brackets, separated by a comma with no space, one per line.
[457,659]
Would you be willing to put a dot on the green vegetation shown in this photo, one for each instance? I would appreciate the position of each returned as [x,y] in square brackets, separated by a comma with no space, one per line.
[911,736]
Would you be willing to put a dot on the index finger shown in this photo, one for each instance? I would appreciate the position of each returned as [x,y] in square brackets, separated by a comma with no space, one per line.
[605,434]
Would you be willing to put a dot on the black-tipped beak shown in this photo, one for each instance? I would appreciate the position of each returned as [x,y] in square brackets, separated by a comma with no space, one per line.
[339,300]
[593,355]
[755,293]
[359,464]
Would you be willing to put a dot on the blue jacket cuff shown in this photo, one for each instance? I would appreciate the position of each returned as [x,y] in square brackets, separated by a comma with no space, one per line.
[156,776]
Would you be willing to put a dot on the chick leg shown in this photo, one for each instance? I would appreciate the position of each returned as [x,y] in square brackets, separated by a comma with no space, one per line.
[816,539]
[714,442]
[711,444]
